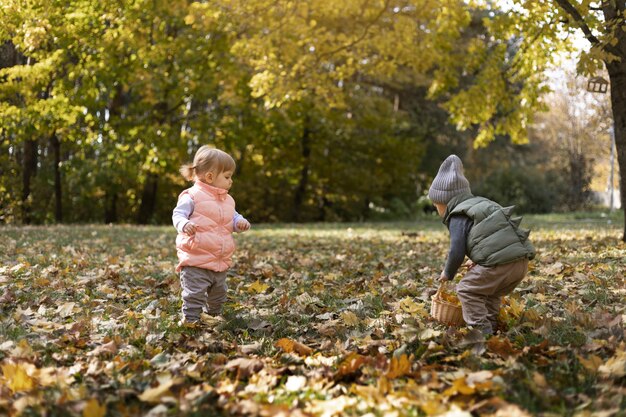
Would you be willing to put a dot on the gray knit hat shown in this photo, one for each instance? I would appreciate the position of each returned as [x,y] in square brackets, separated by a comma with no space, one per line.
[449,181]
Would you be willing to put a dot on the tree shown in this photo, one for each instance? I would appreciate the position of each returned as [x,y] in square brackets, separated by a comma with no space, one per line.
[572,132]
[508,72]
[603,24]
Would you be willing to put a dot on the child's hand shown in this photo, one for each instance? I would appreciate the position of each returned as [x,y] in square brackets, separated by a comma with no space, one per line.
[243,225]
[443,278]
[190,228]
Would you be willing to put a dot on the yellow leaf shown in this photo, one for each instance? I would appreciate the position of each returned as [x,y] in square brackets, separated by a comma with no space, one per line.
[615,367]
[351,364]
[350,318]
[515,307]
[433,407]
[459,386]
[592,363]
[289,346]
[257,287]
[153,395]
[94,409]
[398,367]
[17,378]
[409,306]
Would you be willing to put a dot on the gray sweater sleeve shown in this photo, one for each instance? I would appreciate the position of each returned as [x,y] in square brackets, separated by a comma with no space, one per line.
[459,227]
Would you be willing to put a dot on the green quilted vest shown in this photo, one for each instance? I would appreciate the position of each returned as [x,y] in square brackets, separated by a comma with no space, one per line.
[495,238]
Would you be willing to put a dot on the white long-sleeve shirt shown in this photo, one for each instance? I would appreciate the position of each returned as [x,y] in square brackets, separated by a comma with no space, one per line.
[184,209]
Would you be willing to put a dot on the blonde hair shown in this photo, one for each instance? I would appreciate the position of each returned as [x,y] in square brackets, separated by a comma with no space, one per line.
[208,159]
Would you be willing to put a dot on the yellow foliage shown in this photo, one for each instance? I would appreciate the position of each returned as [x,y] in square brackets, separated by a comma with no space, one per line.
[350,318]
[445,295]
[399,366]
[411,307]
[17,378]
[94,409]
[257,287]
[289,346]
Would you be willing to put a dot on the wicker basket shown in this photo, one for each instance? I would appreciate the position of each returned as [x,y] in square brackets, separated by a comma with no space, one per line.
[444,311]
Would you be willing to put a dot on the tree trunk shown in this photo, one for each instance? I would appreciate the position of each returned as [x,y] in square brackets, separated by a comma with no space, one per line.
[148,199]
[110,206]
[9,56]
[29,170]
[306,167]
[617,75]
[58,195]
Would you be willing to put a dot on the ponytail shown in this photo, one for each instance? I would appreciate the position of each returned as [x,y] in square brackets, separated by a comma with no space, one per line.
[188,171]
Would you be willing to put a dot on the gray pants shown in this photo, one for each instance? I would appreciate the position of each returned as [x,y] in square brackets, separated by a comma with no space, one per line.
[202,288]
[481,291]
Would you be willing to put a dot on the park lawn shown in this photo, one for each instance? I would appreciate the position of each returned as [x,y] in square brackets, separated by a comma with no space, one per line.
[322,320]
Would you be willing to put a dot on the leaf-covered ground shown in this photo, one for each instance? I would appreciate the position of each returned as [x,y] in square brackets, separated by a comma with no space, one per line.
[322,320]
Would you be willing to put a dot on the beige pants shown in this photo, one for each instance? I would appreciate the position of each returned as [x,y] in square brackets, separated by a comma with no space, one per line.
[202,289]
[481,291]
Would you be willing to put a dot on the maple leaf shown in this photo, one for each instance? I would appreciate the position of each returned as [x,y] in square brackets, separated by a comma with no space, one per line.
[460,386]
[17,377]
[289,345]
[615,367]
[411,307]
[351,364]
[154,394]
[257,287]
[350,318]
[501,346]
[592,363]
[399,366]
[514,307]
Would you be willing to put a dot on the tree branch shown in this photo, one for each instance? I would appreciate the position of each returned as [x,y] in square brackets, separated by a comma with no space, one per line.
[573,12]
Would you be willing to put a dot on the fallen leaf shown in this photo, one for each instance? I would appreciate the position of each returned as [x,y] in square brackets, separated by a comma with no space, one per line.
[350,364]
[399,366]
[94,409]
[245,366]
[501,346]
[107,348]
[459,386]
[592,363]
[409,306]
[154,394]
[257,287]
[289,345]
[17,377]
[429,333]
[349,318]
[65,310]
[615,367]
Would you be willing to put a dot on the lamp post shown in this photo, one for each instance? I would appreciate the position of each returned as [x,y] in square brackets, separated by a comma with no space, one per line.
[600,85]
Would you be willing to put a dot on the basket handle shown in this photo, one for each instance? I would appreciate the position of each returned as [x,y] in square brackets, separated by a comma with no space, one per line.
[442,286]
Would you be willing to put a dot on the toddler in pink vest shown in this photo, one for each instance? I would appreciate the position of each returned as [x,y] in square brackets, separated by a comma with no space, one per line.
[205,218]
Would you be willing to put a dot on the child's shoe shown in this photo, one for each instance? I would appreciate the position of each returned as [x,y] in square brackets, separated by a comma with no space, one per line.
[189,323]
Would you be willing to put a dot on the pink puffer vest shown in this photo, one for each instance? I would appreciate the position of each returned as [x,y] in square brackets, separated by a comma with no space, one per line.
[213,245]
